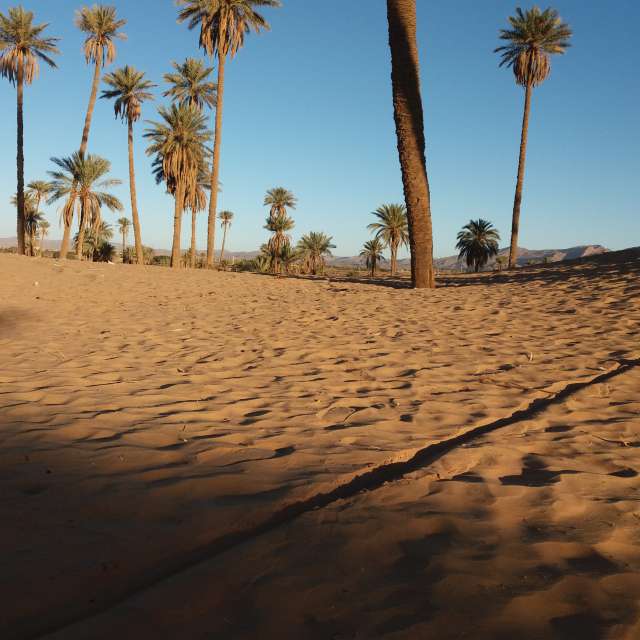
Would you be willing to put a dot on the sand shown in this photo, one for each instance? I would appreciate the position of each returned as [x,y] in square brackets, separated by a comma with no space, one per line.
[152,421]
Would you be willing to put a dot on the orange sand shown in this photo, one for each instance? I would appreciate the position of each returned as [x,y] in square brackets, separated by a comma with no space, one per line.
[146,414]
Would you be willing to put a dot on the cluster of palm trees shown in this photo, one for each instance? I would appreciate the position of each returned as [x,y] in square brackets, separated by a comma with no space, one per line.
[278,255]
[179,139]
[178,142]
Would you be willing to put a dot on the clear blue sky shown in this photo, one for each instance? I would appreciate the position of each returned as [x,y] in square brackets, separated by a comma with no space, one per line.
[308,107]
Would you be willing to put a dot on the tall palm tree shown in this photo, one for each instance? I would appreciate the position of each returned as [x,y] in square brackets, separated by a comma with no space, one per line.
[189,84]
[279,200]
[392,228]
[223,26]
[534,36]
[82,180]
[43,228]
[372,254]
[279,226]
[477,242]
[409,118]
[101,25]
[21,48]
[124,224]
[130,90]
[179,145]
[314,246]
[226,218]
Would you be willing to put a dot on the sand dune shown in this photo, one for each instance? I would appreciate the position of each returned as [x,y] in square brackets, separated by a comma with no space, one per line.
[147,413]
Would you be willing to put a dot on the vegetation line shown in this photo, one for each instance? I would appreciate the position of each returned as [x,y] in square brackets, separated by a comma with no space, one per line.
[367,481]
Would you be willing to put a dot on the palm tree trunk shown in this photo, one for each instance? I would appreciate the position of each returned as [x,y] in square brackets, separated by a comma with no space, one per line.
[515,221]
[134,200]
[224,239]
[177,228]
[215,172]
[20,158]
[394,259]
[64,244]
[192,263]
[81,227]
[92,104]
[409,119]
[124,244]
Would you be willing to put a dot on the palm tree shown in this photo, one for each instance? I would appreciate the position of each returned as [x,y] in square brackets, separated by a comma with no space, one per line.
[477,242]
[279,226]
[81,179]
[392,228]
[409,118]
[21,47]
[223,26]
[39,190]
[372,253]
[189,84]
[32,221]
[226,218]
[178,143]
[130,90]
[43,227]
[279,199]
[314,246]
[124,224]
[534,36]
[101,25]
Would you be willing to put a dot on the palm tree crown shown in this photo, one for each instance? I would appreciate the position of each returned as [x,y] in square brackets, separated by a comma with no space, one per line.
[101,25]
[124,224]
[279,199]
[130,90]
[533,37]
[40,190]
[22,45]
[477,242]
[179,144]
[225,217]
[83,180]
[189,84]
[224,23]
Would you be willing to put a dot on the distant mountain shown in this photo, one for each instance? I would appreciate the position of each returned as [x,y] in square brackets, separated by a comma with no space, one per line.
[451,263]
[528,256]
[525,256]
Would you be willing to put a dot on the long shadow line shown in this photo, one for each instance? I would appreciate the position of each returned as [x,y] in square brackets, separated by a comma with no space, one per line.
[367,481]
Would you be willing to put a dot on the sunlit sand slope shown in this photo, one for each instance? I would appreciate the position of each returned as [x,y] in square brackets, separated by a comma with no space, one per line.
[146,413]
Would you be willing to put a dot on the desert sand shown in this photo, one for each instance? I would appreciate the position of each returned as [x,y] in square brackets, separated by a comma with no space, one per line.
[221,455]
